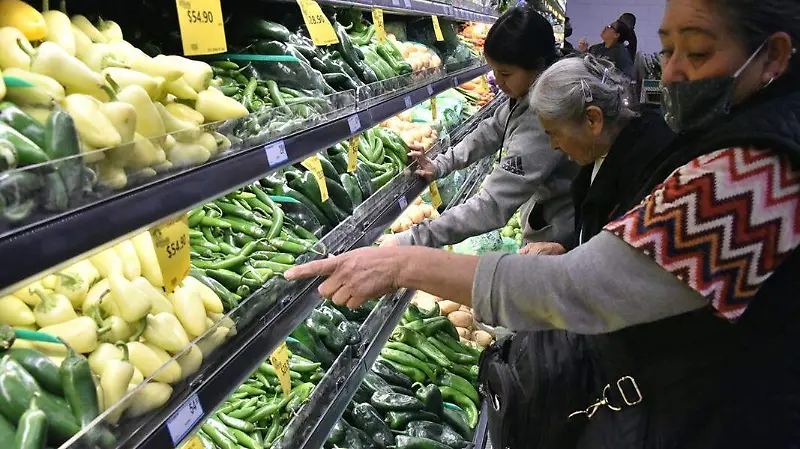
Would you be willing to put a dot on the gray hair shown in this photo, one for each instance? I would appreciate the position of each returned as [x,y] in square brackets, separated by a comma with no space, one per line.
[564,90]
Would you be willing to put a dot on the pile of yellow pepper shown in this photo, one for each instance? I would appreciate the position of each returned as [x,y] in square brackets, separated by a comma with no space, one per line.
[150,111]
[111,307]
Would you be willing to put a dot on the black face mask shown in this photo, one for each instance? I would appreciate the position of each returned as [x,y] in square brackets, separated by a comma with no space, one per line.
[692,105]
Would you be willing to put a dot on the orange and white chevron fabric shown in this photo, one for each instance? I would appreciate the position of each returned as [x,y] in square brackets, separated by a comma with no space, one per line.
[722,223]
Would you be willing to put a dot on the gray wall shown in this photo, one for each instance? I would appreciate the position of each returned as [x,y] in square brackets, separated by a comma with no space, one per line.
[589,17]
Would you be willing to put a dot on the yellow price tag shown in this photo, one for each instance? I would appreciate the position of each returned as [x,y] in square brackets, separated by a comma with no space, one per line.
[433,108]
[202,28]
[171,242]
[280,361]
[377,20]
[352,154]
[437,30]
[435,198]
[193,443]
[319,27]
[315,167]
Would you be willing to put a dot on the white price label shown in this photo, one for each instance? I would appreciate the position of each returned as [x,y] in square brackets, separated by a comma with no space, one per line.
[430,89]
[402,202]
[407,101]
[183,420]
[407,3]
[276,153]
[354,123]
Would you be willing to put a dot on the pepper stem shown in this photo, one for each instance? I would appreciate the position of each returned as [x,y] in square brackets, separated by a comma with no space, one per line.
[140,331]
[45,5]
[32,54]
[112,88]
[63,6]
[124,349]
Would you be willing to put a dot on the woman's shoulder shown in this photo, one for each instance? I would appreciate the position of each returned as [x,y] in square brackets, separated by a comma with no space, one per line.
[722,223]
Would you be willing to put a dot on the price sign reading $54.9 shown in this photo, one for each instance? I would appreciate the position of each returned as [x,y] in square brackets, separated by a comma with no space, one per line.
[202,30]
[280,361]
[171,242]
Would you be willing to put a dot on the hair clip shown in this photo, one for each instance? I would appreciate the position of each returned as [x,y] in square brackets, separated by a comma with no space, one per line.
[605,76]
[587,92]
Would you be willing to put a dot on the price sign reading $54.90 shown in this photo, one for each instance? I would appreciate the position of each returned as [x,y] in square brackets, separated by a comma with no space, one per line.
[319,27]
[315,167]
[280,361]
[171,242]
[202,30]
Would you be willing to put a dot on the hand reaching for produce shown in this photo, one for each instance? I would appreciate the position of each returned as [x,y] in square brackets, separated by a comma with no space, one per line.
[426,168]
[543,249]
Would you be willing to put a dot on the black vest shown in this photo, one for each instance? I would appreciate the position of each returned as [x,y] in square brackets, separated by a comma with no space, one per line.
[642,141]
[704,383]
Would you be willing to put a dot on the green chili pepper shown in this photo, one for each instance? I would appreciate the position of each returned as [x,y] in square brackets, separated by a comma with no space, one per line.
[416,340]
[32,427]
[274,266]
[299,394]
[79,389]
[235,422]
[214,222]
[242,413]
[40,367]
[452,395]
[413,372]
[219,434]
[455,357]
[268,410]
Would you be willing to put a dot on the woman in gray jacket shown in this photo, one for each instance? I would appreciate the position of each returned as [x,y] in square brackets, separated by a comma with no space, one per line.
[519,47]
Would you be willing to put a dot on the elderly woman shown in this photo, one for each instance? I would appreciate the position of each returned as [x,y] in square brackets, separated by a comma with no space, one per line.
[584,107]
[690,296]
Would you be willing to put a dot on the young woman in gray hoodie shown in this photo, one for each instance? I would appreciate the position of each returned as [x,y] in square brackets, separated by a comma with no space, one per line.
[519,47]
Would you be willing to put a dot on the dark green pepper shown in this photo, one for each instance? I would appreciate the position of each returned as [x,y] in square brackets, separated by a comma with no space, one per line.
[350,185]
[338,433]
[61,141]
[28,153]
[7,430]
[390,375]
[389,401]
[22,122]
[431,396]
[437,432]
[366,418]
[40,367]
[407,442]
[457,419]
[32,427]
[399,420]
[79,389]
[452,395]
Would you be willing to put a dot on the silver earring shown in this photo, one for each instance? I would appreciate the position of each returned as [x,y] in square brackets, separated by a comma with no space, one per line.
[769,82]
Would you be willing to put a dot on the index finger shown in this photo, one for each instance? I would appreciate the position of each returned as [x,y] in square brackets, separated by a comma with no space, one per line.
[324,267]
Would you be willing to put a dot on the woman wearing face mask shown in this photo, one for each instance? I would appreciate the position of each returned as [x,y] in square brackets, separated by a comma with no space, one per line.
[518,47]
[690,297]
[584,107]
[613,48]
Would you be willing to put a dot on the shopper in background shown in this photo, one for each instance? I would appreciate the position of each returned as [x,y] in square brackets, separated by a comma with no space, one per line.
[518,47]
[584,108]
[567,48]
[632,44]
[614,36]
[691,295]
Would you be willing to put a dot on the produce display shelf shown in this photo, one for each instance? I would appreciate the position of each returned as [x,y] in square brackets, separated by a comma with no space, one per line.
[274,312]
[456,10]
[481,439]
[54,242]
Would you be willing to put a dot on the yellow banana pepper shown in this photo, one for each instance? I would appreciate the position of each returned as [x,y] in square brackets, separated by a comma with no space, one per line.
[46,90]
[107,262]
[165,331]
[196,73]
[59,30]
[159,302]
[190,361]
[93,126]
[147,397]
[215,106]
[71,72]
[138,377]
[141,62]
[114,383]
[88,29]
[151,271]
[181,130]
[131,267]
[22,16]
[148,120]
[101,56]
[143,154]
[110,29]
[185,113]
[223,143]
[75,280]
[111,175]
[99,358]
[115,329]
[80,333]
[211,301]
[83,45]
[211,342]
[53,309]
[207,141]
[123,117]
[181,89]
[189,310]
[49,282]
[14,312]
[154,86]
[154,359]
[39,113]
[96,294]
[131,303]
[27,294]
[188,155]
[15,49]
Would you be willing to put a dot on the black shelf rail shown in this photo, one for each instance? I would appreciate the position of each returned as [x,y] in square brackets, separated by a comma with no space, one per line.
[52,243]
[456,10]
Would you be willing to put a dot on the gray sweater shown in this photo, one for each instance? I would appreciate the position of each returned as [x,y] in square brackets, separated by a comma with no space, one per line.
[530,173]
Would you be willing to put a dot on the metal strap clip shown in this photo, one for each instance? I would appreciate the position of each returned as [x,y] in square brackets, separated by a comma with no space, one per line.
[604,401]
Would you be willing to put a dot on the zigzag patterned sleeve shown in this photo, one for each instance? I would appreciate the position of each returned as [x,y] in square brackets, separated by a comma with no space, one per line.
[722,224]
